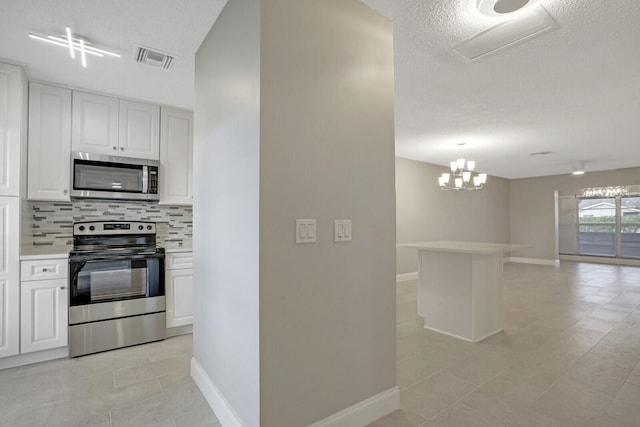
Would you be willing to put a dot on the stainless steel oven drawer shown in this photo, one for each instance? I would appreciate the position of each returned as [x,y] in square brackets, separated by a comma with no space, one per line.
[109,310]
[110,334]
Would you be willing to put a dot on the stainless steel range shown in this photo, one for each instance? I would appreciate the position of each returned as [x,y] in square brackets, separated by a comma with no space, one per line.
[116,281]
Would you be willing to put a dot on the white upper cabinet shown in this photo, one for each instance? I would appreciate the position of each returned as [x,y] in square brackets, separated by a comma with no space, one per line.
[11,128]
[176,157]
[95,123]
[139,127]
[49,142]
[105,125]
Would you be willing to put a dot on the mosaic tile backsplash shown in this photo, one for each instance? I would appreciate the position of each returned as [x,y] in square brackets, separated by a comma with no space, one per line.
[51,223]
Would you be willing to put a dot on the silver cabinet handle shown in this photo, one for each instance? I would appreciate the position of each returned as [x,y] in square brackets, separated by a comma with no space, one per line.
[65,191]
[121,148]
[115,148]
[63,287]
[45,269]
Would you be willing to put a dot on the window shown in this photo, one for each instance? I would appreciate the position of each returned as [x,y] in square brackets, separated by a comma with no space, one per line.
[609,227]
[630,227]
[597,227]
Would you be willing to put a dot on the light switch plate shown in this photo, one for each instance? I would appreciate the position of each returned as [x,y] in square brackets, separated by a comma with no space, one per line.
[306,231]
[342,230]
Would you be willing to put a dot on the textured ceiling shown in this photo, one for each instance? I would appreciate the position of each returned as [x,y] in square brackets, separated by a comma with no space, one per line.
[176,27]
[574,91]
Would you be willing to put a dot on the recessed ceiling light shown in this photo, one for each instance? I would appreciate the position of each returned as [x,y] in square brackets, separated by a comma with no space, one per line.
[503,8]
[578,167]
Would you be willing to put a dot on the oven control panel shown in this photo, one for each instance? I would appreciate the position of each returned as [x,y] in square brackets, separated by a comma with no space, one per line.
[113,227]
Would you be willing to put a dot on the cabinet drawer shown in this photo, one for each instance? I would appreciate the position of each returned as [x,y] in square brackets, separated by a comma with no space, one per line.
[43,269]
[178,260]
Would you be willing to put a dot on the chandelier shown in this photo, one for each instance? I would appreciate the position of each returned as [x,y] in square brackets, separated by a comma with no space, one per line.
[462,176]
[604,192]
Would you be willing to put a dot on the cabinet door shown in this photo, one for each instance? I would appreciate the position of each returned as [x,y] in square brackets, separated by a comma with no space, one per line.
[139,128]
[176,157]
[43,315]
[95,124]
[179,297]
[9,277]
[49,142]
[11,122]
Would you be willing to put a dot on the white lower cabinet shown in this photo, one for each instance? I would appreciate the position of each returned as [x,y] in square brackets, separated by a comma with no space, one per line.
[179,289]
[9,318]
[44,305]
[9,276]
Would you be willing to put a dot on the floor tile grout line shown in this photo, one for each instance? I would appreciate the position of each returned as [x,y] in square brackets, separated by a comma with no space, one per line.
[582,355]
[454,403]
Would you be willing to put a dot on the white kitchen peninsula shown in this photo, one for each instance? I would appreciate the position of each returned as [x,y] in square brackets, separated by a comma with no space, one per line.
[460,287]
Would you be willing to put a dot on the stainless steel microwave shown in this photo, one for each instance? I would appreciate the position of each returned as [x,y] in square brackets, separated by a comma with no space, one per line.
[97,176]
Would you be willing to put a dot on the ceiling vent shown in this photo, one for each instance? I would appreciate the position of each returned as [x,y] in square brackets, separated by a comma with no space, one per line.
[154,58]
[505,35]
[540,153]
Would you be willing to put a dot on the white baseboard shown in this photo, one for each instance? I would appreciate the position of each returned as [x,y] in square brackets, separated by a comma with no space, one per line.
[538,261]
[358,415]
[365,412]
[224,412]
[601,260]
[37,357]
[179,330]
[406,277]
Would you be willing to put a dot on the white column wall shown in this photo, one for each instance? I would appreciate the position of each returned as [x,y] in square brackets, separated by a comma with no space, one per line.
[226,206]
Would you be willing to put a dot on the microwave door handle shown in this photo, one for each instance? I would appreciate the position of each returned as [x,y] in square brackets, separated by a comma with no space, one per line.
[145,179]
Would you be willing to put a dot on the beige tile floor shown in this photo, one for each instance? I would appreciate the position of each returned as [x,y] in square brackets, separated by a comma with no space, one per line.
[569,355]
[147,385]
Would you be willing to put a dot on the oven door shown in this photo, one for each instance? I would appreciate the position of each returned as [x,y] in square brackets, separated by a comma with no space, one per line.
[95,280]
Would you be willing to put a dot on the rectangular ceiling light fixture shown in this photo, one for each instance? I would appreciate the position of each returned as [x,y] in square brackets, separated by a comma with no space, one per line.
[505,35]
[73,43]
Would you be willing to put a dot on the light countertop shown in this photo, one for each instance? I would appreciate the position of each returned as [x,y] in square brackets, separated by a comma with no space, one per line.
[44,252]
[173,250]
[464,247]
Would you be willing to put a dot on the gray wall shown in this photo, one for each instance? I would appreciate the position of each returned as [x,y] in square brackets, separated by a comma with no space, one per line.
[226,210]
[327,310]
[294,119]
[425,212]
[533,208]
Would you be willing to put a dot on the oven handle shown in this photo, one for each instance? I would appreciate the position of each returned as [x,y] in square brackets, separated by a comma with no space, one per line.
[92,258]
[74,270]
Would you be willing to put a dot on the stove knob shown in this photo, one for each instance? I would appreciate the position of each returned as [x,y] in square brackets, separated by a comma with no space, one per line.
[140,227]
[81,228]
[149,227]
[92,228]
